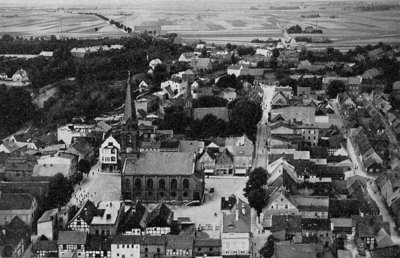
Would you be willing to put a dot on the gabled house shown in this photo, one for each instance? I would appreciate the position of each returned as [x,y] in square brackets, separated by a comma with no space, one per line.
[109,154]
[207,161]
[47,224]
[209,247]
[187,57]
[319,228]
[236,231]
[201,65]
[279,203]
[83,218]
[224,163]
[242,150]
[43,248]
[279,99]
[281,173]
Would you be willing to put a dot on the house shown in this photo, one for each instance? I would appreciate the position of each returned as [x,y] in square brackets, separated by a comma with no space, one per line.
[224,164]
[236,231]
[11,147]
[22,205]
[83,218]
[71,244]
[279,99]
[287,227]
[159,221]
[14,238]
[83,149]
[64,215]
[175,87]
[20,75]
[187,57]
[149,246]
[242,150]
[371,74]
[229,94]
[3,76]
[376,54]
[264,51]
[147,104]
[109,154]
[201,65]
[19,168]
[319,228]
[153,63]
[207,161]
[96,246]
[207,247]
[43,248]
[64,163]
[286,90]
[234,69]
[288,57]
[311,207]
[279,203]
[367,230]
[47,224]
[304,114]
[179,246]
[68,132]
[281,173]
[303,91]
[342,226]
[126,246]
[106,220]
[158,176]
[22,141]
[219,112]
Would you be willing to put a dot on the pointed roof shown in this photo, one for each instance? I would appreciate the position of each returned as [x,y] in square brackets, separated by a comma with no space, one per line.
[129,111]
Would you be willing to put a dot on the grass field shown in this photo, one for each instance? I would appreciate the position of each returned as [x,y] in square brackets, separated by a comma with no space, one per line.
[209,20]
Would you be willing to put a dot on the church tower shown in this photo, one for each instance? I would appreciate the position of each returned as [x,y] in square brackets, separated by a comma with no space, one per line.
[188,99]
[130,131]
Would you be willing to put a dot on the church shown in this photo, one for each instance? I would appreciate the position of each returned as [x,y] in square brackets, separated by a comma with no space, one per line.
[155,176]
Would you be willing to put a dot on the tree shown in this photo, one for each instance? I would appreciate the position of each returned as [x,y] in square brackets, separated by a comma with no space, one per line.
[334,88]
[230,81]
[254,190]
[210,101]
[245,114]
[268,249]
[84,166]
[60,191]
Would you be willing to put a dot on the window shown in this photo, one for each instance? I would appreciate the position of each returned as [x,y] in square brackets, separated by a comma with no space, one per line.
[185,183]
[65,247]
[185,194]
[112,158]
[146,250]
[286,206]
[173,194]
[123,246]
[150,183]
[174,184]
[138,183]
[161,183]
[158,250]
[78,223]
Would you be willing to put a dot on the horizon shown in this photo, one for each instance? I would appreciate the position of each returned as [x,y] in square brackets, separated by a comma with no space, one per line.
[86,3]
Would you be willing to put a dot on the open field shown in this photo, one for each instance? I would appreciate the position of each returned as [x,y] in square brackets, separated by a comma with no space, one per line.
[213,21]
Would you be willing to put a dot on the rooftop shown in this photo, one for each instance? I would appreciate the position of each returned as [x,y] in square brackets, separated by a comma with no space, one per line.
[110,214]
[71,238]
[161,163]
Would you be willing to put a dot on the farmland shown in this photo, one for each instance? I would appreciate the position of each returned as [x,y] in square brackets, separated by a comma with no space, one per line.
[212,21]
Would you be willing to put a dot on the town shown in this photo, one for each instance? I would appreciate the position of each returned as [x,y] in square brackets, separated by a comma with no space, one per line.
[150,146]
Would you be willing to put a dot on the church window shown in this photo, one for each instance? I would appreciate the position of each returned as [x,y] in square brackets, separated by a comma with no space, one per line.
[150,183]
[174,184]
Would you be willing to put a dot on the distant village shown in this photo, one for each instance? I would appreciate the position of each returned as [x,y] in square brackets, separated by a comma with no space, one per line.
[326,139]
